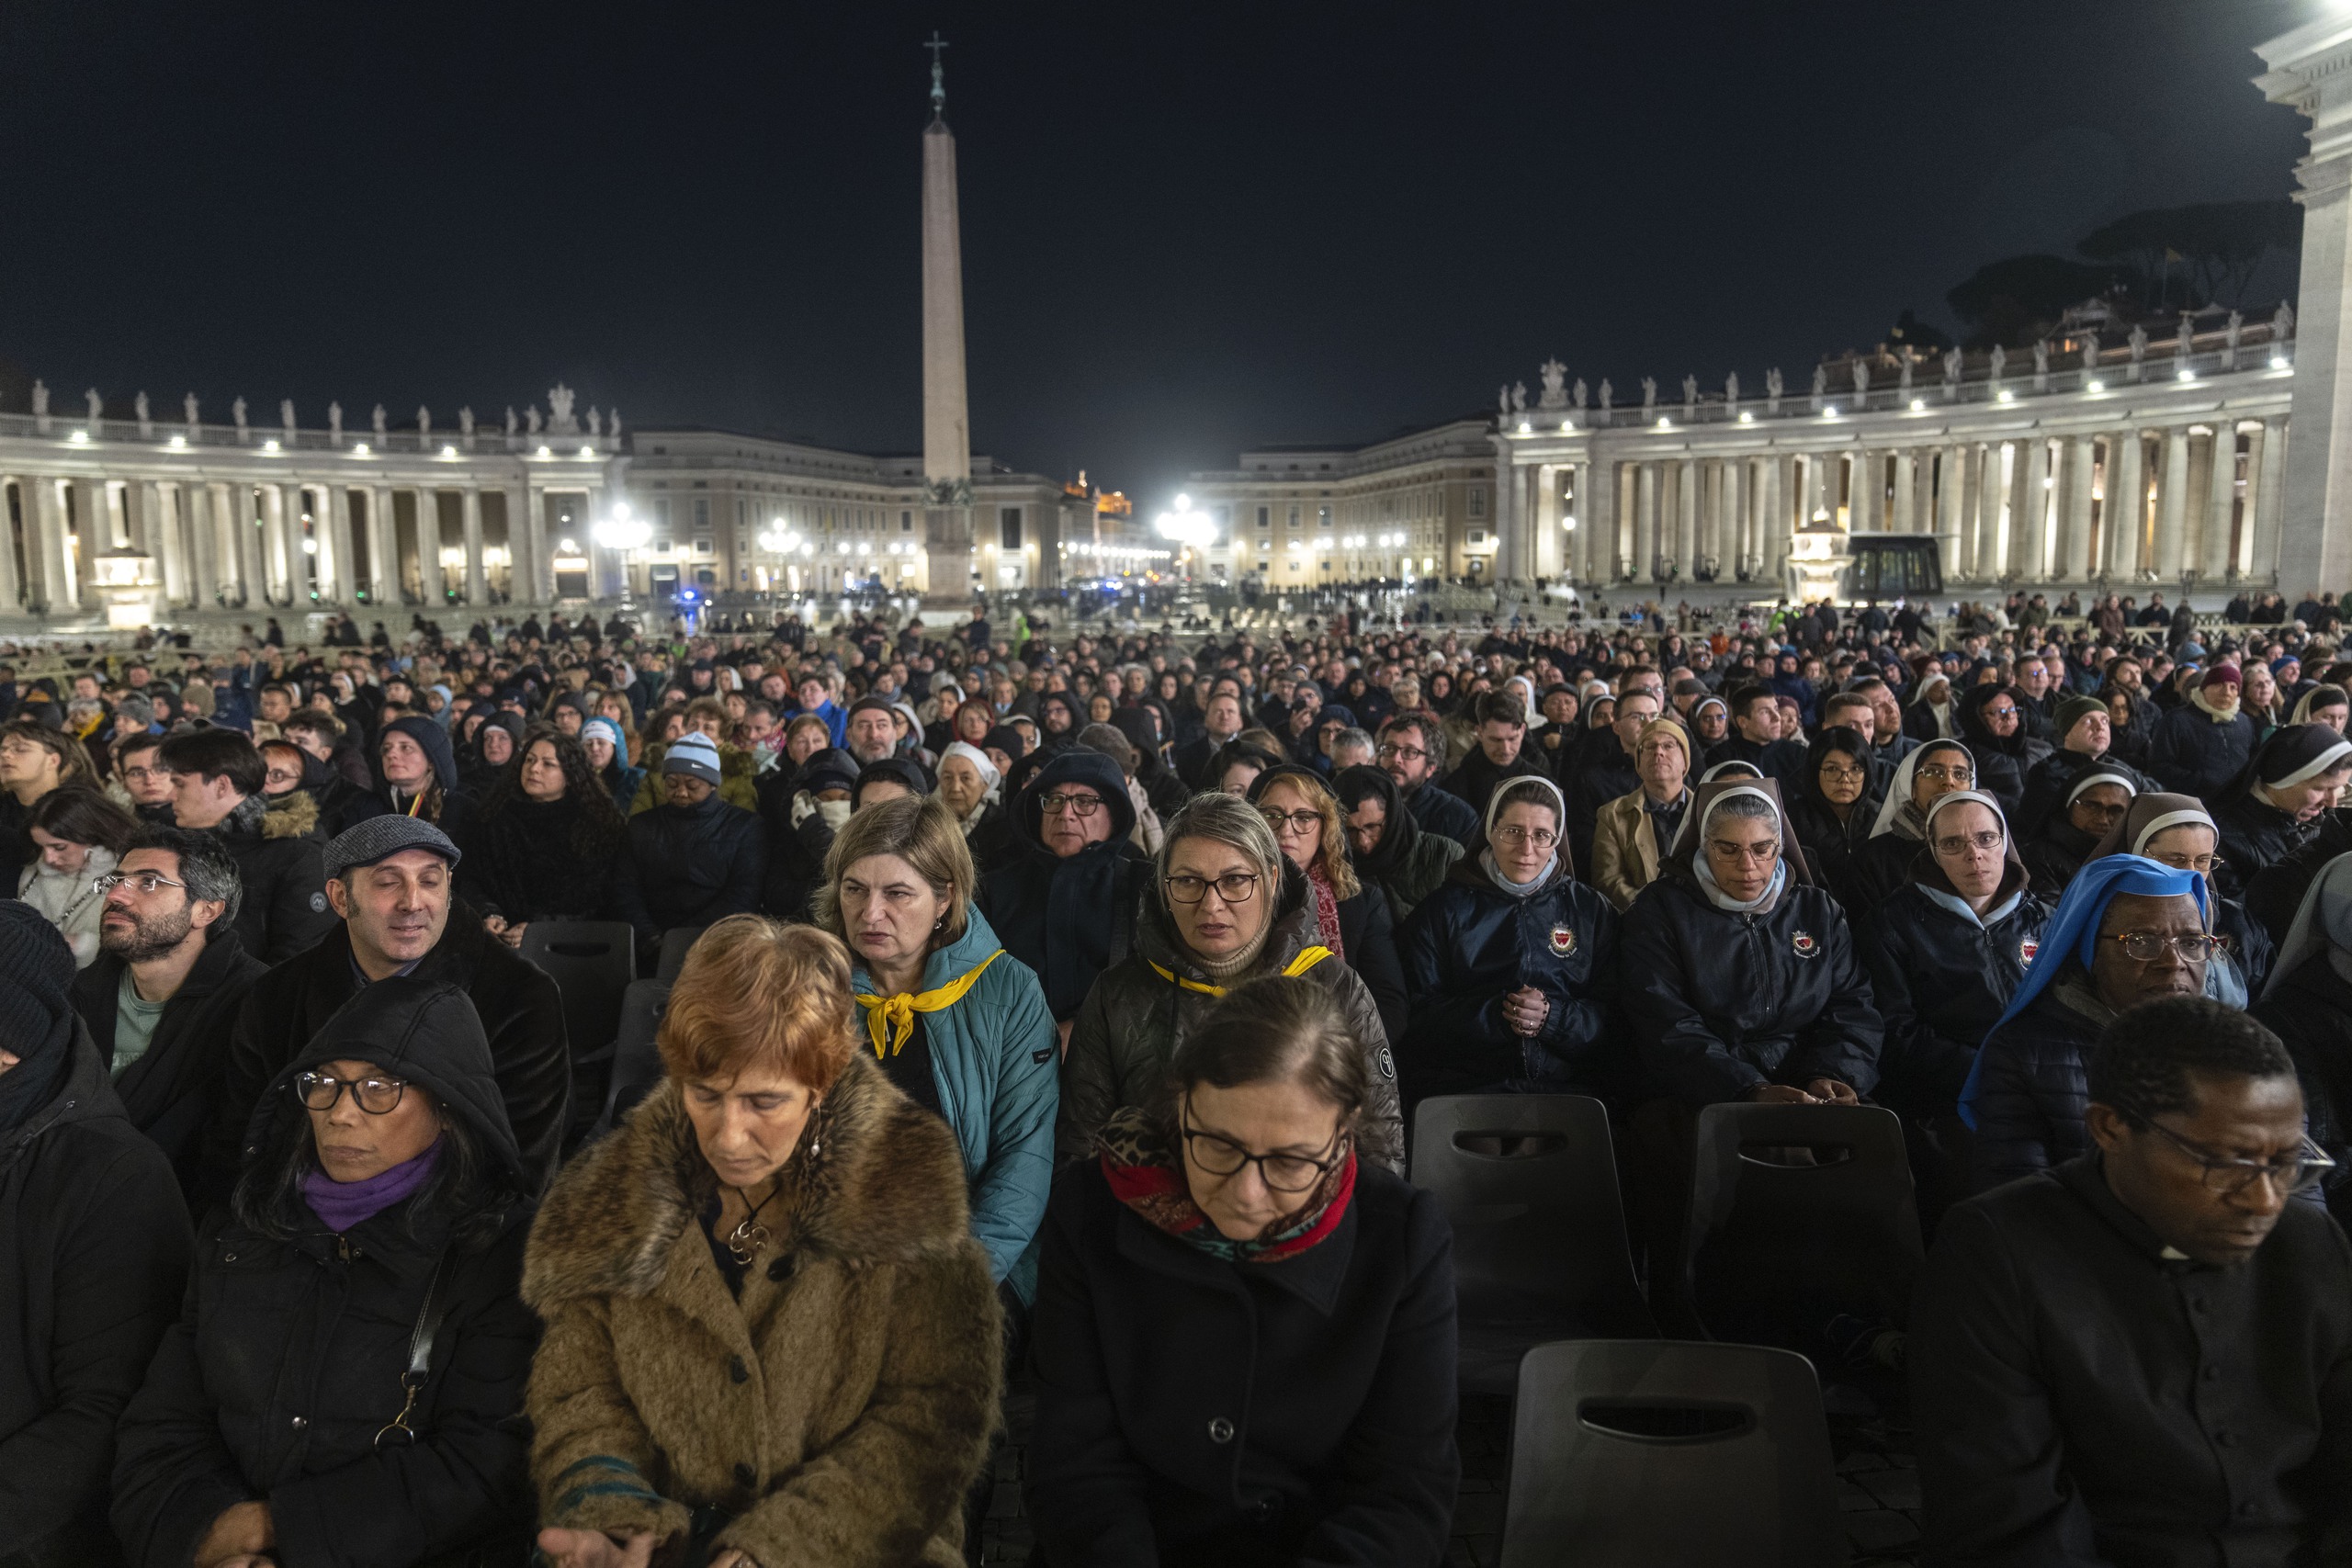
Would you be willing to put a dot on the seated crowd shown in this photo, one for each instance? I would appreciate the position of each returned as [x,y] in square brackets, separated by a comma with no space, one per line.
[1058,1012]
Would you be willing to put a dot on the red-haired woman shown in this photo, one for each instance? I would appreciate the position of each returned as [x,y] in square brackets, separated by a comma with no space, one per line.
[770,1338]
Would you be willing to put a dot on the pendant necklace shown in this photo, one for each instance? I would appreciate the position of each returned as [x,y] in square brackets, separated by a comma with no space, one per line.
[743,1243]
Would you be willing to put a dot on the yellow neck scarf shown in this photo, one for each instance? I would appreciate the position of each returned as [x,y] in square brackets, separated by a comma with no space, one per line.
[1309,957]
[897,1013]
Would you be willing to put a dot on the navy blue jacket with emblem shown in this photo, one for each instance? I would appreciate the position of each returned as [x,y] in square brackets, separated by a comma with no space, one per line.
[1470,944]
[1942,978]
[1723,1003]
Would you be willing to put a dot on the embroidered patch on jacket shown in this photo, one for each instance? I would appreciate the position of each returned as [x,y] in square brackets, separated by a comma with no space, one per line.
[1563,941]
[2026,949]
[1804,944]
[1387,1064]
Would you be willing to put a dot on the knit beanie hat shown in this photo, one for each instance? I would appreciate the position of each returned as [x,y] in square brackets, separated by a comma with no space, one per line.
[2219,675]
[609,730]
[693,753]
[2072,711]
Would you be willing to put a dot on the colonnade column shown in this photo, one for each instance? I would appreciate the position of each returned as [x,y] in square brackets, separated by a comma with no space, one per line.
[1642,569]
[2075,541]
[2127,505]
[477,583]
[429,575]
[204,545]
[2172,505]
[2216,559]
[2030,522]
[1905,518]
[523,542]
[1738,505]
[1779,481]
[163,537]
[2265,498]
[245,541]
[1950,462]
[1686,517]
[13,593]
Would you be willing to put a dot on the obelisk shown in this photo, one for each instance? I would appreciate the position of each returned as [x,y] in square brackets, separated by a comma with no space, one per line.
[946,435]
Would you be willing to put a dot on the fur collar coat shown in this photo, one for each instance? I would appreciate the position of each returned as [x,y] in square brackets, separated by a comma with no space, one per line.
[836,1412]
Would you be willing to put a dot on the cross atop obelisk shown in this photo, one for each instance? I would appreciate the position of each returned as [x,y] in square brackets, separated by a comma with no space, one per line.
[938,78]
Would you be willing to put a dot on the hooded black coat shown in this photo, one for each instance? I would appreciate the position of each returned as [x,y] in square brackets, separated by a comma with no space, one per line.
[288,1356]
[688,865]
[168,1092]
[1439,810]
[1719,1004]
[2274,891]
[94,1250]
[1070,919]
[516,1002]
[1467,946]
[1408,862]
[1833,844]
[2255,834]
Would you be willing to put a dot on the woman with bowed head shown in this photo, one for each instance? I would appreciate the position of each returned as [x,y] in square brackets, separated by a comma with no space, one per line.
[2094,803]
[769,1336]
[2308,1004]
[345,1380]
[2330,705]
[2175,830]
[1245,1333]
[1226,907]
[544,839]
[2272,808]
[77,836]
[1235,768]
[1350,919]
[1512,965]
[1389,849]
[956,1023]
[1946,953]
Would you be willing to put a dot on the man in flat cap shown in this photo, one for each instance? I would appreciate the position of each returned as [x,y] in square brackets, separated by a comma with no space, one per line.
[389,883]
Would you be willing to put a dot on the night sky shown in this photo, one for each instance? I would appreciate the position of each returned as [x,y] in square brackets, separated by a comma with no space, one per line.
[1186,229]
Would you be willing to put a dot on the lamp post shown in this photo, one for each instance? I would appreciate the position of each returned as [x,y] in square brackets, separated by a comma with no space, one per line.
[622,532]
[1192,531]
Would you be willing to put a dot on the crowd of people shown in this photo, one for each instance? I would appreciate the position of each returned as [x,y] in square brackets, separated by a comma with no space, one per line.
[1055,1008]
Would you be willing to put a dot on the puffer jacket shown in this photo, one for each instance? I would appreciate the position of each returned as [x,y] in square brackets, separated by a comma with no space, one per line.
[1942,977]
[994,1062]
[2031,1083]
[1140,1011]
[1069,919]
[1468,945]
[658,1393]
[283,911]
[688,865]
[1720,1004]
[2192,753]
[290,1350]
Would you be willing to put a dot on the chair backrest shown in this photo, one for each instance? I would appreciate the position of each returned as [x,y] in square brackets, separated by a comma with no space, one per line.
[1799,1212]
[675,944]
[592,963]
[1634,1453]
[636,1065]
[1529,1183]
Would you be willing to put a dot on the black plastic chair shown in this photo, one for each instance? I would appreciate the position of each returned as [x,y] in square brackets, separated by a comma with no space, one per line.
[1540,1250]
[636,1065]
[1634,1453]
[591,963]
[1799,1214]
[675,947]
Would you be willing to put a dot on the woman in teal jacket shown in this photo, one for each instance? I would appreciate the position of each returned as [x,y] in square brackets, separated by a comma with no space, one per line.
[960,1025]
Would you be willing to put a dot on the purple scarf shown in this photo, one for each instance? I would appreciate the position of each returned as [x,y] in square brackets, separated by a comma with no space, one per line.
[343,1204]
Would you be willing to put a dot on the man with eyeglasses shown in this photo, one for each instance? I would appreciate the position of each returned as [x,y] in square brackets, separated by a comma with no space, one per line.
[1066,904]
[166,986]
[2128,929]
[1411,751]
[2144,1354]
